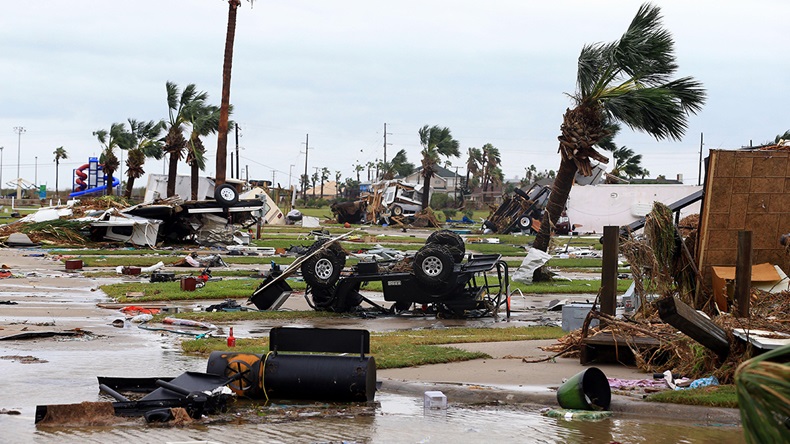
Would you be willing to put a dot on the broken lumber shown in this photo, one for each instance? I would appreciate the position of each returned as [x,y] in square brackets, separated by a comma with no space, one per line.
[696,326]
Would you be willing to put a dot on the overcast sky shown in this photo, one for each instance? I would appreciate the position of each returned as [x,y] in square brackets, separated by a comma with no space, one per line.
[492,71]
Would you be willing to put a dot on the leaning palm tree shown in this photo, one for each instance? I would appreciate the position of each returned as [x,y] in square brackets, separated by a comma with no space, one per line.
[175,144]
[436,142]
[109,161]
[60,153]
[474,162]
[628,81]
[143,142]
[204,120]
[401,164]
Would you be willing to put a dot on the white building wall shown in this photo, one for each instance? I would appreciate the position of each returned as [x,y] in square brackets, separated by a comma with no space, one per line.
[595,206]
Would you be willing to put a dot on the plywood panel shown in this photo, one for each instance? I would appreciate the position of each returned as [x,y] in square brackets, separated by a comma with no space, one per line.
[753,189]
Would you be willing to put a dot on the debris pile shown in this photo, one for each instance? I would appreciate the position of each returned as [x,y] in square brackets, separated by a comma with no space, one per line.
[668,332]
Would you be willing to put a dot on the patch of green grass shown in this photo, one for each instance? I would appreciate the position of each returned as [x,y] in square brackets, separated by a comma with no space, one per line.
[712,396]
[171,291]
[216,317]
[406,348]
[118,252]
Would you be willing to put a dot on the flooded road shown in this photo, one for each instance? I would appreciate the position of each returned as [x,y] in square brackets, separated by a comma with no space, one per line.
[394,419]
[64,370]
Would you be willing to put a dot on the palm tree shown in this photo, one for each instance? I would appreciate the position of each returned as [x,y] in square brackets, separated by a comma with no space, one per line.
[60,153]
[401,164]
[224,114]
[436,142]
[175,144]
[338,175]
[204,120]
[474,162]
[324,178]
[357,168]
[627,163]
[144,141]
[763,387]
[314,180]
[627,81]
[109,141]
[491,161]
[785,136]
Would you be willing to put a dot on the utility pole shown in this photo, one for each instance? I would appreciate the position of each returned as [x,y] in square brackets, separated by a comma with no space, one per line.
[385,142]
[272,178]
[699,174]
[306,149]
[247,169]
[18,130]
[35,177]
[290,172]
[238,176]
[231,167]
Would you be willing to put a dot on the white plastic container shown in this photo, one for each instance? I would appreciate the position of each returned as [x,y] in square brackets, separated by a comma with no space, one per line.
[435,400]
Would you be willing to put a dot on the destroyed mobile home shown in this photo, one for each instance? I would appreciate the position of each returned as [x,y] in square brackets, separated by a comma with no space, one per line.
[225,220]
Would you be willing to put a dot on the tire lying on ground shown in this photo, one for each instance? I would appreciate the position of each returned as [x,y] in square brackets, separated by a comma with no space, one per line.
[323,269]
[433,265]
[449,239]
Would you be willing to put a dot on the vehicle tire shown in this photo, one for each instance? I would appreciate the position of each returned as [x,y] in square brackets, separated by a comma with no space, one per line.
[449,239]
[397,210]
[489,225]
[524,223]
[226,194]
[433,265]
[521,193]
[321,270]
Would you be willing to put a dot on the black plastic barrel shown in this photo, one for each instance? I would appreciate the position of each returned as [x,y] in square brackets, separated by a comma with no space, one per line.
[313,377]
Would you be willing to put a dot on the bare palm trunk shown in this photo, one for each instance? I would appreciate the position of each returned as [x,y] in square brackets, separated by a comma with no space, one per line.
[194,179]
[426,188]
[556,204]
[222,136]
[129,185]
[109,188]
[172,170]
[57,190]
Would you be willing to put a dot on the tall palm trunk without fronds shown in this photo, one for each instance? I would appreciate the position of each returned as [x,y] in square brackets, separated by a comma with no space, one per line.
[222,136]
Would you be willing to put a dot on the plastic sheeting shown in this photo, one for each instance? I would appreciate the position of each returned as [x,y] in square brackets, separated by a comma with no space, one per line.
[535,259]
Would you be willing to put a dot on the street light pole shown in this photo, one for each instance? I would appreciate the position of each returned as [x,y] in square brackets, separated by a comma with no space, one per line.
[19,130]
[290,171]
[2,196]
[306,149]
[35,177]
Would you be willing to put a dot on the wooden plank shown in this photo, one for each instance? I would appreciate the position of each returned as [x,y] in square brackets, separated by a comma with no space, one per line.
[679,315]
[743,273]
[606,347]
[611,237]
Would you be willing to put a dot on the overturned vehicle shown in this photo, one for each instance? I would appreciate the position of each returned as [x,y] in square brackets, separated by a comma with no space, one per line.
[439,279]
[523,211]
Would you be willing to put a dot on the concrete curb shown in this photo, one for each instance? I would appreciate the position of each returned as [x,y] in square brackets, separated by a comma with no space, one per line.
[621,405]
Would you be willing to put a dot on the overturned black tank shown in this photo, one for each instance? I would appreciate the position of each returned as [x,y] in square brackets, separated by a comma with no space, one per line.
[439,278]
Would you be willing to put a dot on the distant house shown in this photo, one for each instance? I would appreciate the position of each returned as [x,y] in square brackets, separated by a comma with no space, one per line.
[443,180]
[330,191]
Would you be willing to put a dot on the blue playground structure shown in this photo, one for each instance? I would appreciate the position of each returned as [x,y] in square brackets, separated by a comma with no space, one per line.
[91,182]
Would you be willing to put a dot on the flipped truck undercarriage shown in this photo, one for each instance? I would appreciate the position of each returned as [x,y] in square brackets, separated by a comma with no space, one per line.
[440,279]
